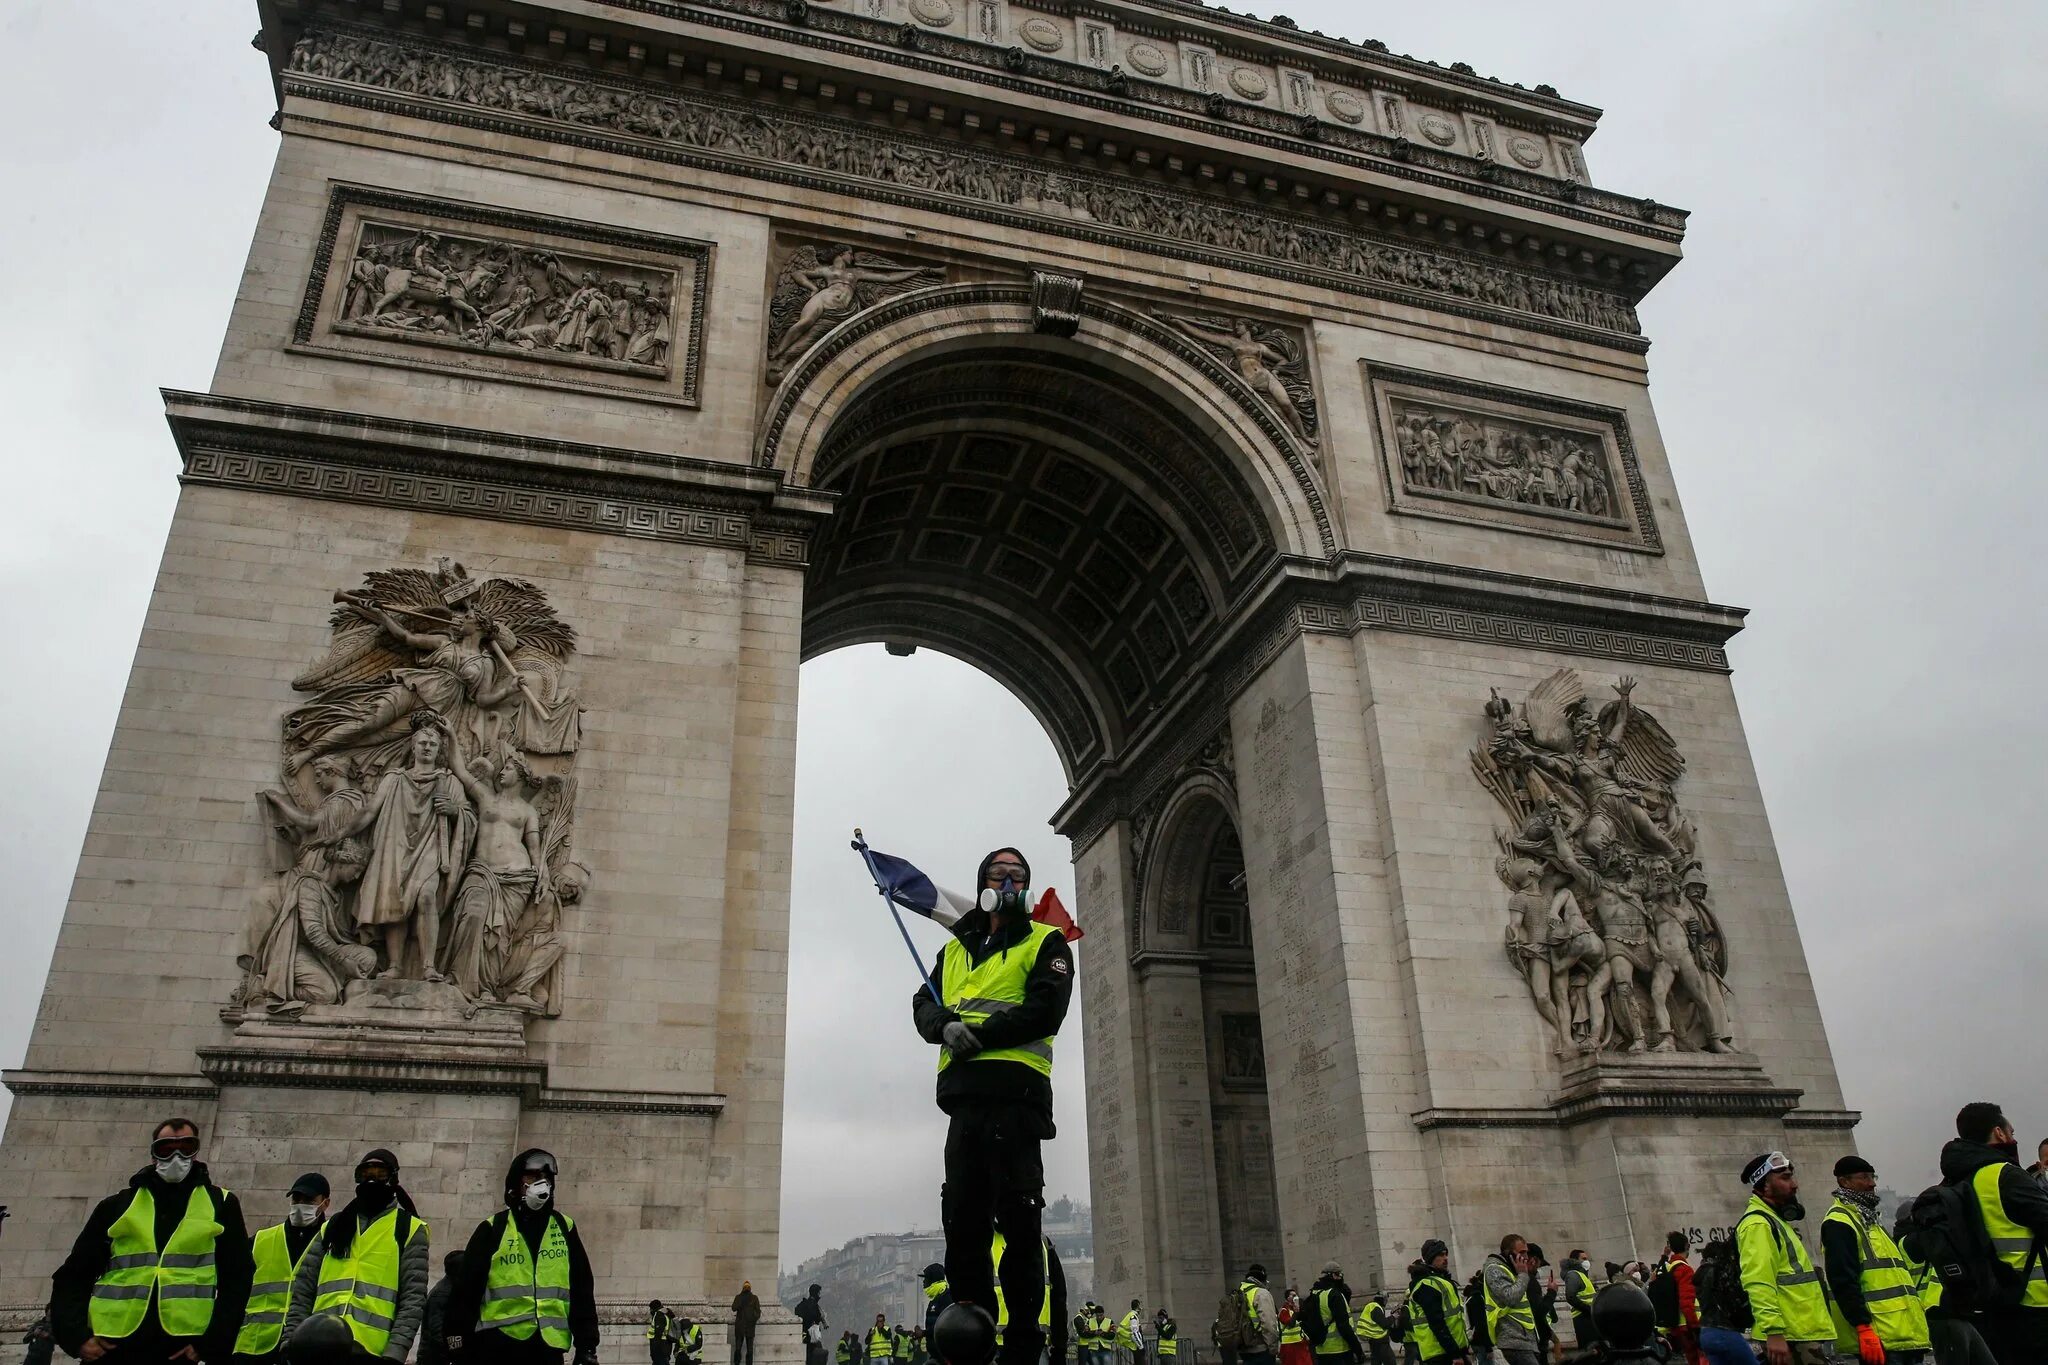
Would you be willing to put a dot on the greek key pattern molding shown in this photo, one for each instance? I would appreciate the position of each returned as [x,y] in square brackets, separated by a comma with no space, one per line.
[829,155]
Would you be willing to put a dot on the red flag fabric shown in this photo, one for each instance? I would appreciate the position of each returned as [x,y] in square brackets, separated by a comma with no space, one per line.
[1050,911]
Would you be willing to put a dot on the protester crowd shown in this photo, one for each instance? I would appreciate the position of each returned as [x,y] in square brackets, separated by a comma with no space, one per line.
[166,1270]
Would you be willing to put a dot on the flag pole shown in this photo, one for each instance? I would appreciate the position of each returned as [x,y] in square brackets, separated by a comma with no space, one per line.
[860,846]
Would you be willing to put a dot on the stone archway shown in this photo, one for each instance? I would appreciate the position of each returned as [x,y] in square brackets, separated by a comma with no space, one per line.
[1213,1190]
[1082,518]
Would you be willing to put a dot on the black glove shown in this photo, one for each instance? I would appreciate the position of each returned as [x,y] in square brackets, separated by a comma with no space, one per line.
[960,1039]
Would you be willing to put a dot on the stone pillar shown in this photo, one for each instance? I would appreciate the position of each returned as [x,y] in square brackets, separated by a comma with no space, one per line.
[1340,1059]
[1183,1154]
[1120,1138]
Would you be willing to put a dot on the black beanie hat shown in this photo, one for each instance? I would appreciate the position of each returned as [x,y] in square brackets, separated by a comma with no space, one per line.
[981,873]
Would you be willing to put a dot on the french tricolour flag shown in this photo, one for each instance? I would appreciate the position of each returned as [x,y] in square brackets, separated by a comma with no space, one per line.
[915,892]
[905,885]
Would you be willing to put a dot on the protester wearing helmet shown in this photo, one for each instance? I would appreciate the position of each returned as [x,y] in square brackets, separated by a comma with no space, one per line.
[526,1295]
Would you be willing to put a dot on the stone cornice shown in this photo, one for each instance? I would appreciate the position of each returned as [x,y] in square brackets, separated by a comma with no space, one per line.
[1746,1104]
[1370,56]
[1353,592]
[317,453]
[1101,90]
[833,154]
[107,1084]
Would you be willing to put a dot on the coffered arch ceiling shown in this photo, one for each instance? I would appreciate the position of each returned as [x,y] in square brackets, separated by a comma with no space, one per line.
[1047,519]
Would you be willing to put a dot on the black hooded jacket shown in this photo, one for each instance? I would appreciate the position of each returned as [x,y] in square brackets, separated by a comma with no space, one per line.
[466,1297]
[1432,1305]
[234,1264]
[1341,1317]
[2025,1199]
[1048,991]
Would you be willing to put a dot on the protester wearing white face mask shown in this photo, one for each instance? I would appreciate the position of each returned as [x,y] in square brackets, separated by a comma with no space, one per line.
[278,1251]
[161,1271]
[524,1294]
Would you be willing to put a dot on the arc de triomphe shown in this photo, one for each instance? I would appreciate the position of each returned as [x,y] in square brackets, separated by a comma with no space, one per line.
[1268,411]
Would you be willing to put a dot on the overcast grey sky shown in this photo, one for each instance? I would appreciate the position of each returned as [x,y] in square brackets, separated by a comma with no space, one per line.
[1842,367]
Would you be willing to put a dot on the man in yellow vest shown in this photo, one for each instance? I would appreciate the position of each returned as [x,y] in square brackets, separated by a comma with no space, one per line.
[1130,1335]
[278,1251]
[1876,1301]
[1788,1307]
[689,1339]
[661,1332]
[1052,1308]
[526,1294]
[1508,1283]
[1328,1310]
[1436,1314]
[1166,1332]
[1375,1332]
[1004,984]
[369,1266]
[881,1342]
[161,1270]
[938,1295]
[1984,1159]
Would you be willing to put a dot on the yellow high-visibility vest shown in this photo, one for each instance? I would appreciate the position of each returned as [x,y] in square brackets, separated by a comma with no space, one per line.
[1896,1314]
[270,1293]
[976,992]
[1372,1321]
[2012,1241]
[524,1293]
[1523,1313]
[995,1260]
[1419,1331]
[181,1275]
[362,1288]
[1774,1261]
[1333,1342]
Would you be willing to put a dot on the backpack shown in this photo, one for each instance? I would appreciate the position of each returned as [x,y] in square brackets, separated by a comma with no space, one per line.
[1944,1230]
[1476,1325]
[1663,1292]
[1309,1318]
[1235,1330]
[1397,1321]
[1717,1285]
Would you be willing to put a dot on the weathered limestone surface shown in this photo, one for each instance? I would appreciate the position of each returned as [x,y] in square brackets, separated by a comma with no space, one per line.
[1252,405]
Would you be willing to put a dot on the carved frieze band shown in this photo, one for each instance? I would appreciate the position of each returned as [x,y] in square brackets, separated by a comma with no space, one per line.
[1461,451]
[476,291]
[825,154]
[1039,67]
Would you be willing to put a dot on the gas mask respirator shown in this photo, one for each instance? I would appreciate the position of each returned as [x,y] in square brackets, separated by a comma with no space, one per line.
[1006,900]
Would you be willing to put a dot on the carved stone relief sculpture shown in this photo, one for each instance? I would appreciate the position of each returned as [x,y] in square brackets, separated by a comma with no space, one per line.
[1610,919]
[1462,451]
[820,287]
[427,809]
[473,290]
[1446,450]
[1272,362]
[460,290]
